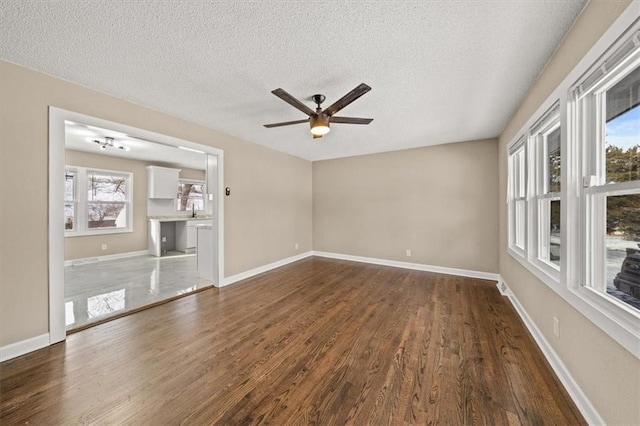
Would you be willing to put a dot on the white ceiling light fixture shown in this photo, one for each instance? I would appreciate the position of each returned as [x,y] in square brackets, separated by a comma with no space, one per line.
[109,142]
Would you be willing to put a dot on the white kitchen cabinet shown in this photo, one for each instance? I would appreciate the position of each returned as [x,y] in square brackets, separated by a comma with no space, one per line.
[186,234]
[205,254]
[162,182]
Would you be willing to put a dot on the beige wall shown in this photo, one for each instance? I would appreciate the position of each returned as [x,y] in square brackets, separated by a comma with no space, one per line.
[607,373]
[440,202]
[90,245]
[268,211]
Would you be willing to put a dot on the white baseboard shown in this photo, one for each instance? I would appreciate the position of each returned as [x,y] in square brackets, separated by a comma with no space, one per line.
[25,346]
[575,392]
[260,269]
[414,266]
[95,259]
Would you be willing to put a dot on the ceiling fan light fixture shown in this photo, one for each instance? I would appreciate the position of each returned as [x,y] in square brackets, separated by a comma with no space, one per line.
[320,125]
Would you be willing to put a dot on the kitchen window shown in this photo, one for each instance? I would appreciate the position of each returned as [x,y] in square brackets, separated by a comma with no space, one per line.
[97,201]
[190,196]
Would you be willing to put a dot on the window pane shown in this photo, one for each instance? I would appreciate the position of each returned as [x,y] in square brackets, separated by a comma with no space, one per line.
[191,194]
[69,216]
[520,223]
[106,188]
[623,249]
[69,186]
[107,215]
[554,232]
[623,129]
[69,198]
[519,175]
[553,160]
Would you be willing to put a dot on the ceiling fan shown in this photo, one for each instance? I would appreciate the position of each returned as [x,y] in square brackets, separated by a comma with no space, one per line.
[319,119]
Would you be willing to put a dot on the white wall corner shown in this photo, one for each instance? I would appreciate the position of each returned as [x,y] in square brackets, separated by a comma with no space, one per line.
[414,266]
[573,389]
[260,269]
[25,346]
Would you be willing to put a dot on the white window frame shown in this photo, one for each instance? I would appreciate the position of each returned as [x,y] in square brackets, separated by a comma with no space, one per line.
[517,195]
[610,316]
[81,202]
[589,106]
[539,243]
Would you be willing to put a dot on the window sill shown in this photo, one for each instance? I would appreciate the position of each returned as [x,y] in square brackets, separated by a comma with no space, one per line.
[621,325]
[100,232]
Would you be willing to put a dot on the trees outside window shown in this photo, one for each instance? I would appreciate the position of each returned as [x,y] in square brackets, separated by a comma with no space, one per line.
[105,205]
[191,196]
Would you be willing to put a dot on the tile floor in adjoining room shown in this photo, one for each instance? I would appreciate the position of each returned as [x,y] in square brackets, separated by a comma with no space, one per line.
[95,291]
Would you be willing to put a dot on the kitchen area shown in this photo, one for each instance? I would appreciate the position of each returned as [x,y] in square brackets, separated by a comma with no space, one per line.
[140,223]
[188,232]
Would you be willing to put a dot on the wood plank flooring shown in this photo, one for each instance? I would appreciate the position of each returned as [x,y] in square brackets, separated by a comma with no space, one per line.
[319,341]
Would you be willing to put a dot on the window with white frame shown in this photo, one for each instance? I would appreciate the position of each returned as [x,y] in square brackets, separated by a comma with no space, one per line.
[547,161]
[516,198]
[191,196]
[97,201]
[607,119]
[577,163]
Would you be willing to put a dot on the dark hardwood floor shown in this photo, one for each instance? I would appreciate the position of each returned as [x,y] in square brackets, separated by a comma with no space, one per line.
[318,341]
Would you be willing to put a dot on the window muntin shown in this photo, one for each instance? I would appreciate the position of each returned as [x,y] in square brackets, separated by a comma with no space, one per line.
[103,206]
[191,196]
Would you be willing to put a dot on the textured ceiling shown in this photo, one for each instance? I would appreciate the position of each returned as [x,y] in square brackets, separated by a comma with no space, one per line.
[441,71]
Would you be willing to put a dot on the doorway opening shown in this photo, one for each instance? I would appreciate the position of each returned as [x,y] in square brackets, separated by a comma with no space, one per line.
[135,218]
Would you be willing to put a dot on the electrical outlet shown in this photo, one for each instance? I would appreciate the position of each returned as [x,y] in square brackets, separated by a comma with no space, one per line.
[296,246]
[104,246]
[164,239]
[408,253]
[556,327]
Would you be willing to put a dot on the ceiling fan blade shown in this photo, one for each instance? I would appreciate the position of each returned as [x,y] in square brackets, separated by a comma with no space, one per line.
[351,120]
[317,136]
[285,123]
[282,94]
[347,99]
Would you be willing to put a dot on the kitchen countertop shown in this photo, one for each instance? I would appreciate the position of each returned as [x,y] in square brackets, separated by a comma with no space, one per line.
[177,218]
